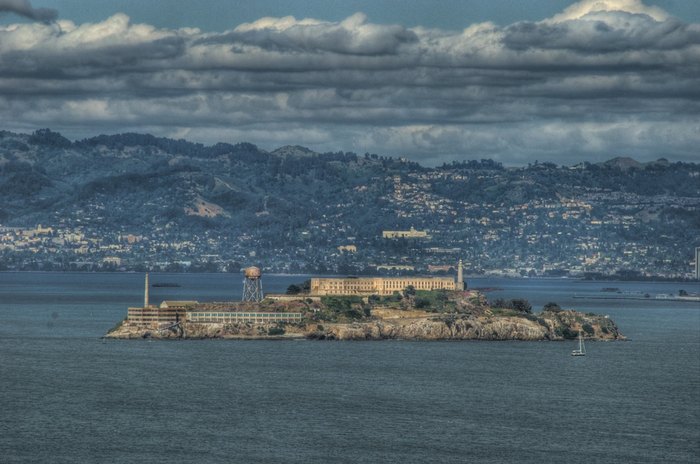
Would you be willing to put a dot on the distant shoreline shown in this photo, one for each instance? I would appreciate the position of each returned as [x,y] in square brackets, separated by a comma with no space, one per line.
[658,279]
[687,299]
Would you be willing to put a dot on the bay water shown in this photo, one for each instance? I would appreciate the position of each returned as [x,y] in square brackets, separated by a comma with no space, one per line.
[68,396]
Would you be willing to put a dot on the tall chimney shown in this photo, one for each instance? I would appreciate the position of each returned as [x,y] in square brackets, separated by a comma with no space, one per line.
[145,293]
[460,277]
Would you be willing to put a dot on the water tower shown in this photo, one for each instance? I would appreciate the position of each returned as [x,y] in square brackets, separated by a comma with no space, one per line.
[252,284]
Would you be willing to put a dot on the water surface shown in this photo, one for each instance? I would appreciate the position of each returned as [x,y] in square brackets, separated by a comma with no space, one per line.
[67,396]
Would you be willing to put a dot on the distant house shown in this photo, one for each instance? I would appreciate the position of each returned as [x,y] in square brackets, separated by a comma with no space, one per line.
[411,233]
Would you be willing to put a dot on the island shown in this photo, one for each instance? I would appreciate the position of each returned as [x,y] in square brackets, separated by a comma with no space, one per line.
[305,312]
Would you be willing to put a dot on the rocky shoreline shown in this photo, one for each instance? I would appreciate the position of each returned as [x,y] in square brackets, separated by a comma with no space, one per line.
[397,324]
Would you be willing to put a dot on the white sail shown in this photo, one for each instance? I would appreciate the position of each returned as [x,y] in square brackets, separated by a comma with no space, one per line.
[581,348]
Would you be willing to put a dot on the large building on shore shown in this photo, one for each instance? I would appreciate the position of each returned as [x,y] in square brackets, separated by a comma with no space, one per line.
[170,312]
[173,312]
[364,286]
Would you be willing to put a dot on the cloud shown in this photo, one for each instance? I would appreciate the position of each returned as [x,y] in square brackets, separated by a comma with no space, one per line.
[24,8]
[351,36]
[583,8]
[603,32]
[63,50]
[602,78]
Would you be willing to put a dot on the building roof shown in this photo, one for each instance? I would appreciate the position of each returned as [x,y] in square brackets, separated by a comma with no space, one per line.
[178,304]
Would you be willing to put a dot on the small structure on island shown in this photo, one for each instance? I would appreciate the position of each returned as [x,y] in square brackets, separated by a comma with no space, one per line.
[252,284]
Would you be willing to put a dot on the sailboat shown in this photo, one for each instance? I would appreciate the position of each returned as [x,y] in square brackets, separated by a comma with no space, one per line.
[581,348]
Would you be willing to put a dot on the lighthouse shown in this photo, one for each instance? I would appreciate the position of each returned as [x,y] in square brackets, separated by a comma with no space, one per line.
[145,293]
[459,285]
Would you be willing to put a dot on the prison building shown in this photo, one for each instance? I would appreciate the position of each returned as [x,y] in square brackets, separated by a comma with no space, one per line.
[378,285]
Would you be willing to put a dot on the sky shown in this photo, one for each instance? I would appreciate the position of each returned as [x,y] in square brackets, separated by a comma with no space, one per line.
[514,81]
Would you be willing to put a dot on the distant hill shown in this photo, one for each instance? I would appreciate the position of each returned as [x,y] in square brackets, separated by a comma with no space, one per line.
[306,204]
[623,163]
[294,150]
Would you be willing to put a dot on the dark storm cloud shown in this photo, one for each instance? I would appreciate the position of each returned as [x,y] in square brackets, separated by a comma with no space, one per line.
[24,8]
[586,83]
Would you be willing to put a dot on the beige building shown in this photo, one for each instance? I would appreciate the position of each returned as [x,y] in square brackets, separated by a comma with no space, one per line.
[168,311]
[321,286]
[396,267]
[377,285]
[190,311]
[231,317]
[117,261]
[411,233]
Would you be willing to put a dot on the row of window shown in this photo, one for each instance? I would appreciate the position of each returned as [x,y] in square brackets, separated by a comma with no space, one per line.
[197,316]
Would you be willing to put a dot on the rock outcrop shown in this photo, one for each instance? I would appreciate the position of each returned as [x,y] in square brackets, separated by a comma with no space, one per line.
[545,326]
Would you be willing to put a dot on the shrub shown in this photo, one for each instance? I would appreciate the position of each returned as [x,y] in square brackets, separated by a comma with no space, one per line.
[353,314]
[588,328]
[521,305]
[293,290]
[275,331]
[516,304]
[340,303]
[552,307]
[422,303]
[441,296]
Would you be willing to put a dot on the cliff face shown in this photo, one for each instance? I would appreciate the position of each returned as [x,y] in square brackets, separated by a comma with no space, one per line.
[546,326]
[205,331]
[426,329]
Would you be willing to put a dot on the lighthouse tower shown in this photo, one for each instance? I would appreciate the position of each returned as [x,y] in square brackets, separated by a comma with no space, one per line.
[145,293]
[459,285]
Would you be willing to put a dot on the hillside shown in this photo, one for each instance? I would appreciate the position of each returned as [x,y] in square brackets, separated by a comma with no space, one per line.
[190,206]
